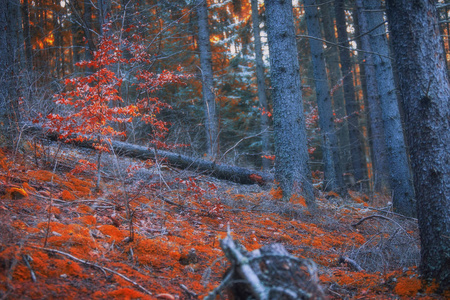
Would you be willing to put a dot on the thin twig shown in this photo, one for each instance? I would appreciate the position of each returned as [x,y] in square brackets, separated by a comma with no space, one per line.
[190,293]
[340,46]
[95,266]
[351,262]
[381,217]
[241,140]
[391,212]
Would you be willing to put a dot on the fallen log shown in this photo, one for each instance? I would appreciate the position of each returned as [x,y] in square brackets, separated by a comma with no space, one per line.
[211,168]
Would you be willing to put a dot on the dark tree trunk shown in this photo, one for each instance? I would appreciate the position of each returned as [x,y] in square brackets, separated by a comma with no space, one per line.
[380,166]
[332,168]
[335,78]
[104,9]
[77,32]
[400,175]
[359,168]
[291,153]
[9,16]
[27,34]
[260,78]
[88,28]
[425,91]
[209,101]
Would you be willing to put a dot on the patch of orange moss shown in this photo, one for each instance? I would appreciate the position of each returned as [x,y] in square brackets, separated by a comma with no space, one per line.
[296,199]
[332,194]
[59,267]
[19,224]
[276,193]
[21,273]
[76,238]
[27,187]
[88,220]
[43,175]
[113,232]
[157,253]
[55,210]
[355,279]
[85,209]
[407,287]
[81,187]
[54,226]
[67,196]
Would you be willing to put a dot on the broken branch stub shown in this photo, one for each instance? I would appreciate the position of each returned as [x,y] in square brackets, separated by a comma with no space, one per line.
[267,273]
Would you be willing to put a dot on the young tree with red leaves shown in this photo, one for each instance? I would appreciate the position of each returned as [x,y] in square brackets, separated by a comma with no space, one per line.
[93,99]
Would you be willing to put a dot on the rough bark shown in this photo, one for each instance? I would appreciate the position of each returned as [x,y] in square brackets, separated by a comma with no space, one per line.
[425,90]
[27,34]
[359,168]
[335,77]
[209,102]
[87,26]
[260,78]
[9,16]
[400,175]
[291,153]
[332,168]
[104,9]
[379,160]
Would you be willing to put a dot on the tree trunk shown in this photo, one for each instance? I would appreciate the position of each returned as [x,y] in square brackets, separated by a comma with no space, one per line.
[260,78]
[335,77]
[425,91]
[332,168]
[27,35]
[380,166]
[291,153]
[87,22]
[104,9]
[400,175]
[209,101]
[9,16]
[359,169]
[77,33]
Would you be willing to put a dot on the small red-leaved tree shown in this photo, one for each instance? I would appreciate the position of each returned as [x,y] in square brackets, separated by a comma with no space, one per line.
[94,100]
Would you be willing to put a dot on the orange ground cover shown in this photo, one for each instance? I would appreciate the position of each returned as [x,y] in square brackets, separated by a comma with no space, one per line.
[175,251]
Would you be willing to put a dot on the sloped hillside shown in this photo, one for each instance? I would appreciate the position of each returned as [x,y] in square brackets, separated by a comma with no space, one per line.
[152,232]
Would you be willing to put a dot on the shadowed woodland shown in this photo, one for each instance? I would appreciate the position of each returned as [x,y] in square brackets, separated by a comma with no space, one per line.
[224,149]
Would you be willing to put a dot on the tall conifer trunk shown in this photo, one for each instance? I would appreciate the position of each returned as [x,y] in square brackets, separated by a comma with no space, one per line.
[291,152]
[209,102]
[335,77]
[260,78]
[359,168]
[380,166]
[400,174]
[425,90]
[332,167]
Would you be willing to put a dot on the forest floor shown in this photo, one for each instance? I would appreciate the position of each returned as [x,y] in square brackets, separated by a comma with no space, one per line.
[60,238]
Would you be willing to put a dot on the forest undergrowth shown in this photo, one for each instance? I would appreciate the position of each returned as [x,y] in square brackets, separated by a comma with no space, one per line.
[153,232]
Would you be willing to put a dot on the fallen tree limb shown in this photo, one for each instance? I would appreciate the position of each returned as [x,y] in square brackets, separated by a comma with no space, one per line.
[220,171]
